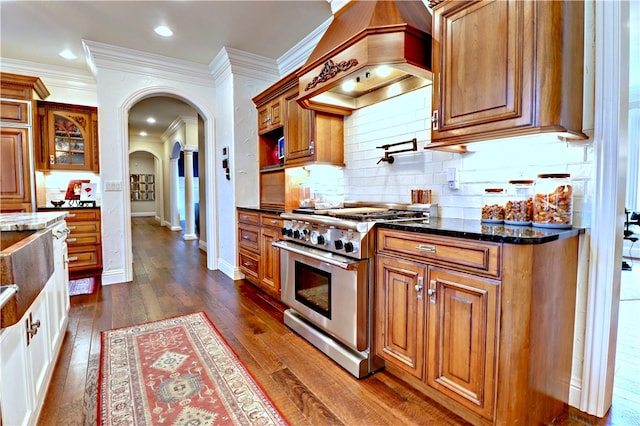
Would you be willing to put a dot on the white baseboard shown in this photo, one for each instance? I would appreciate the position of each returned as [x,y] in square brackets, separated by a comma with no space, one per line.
[113,277]
[143,214]
[230,270]
[575,392]
[203,245]
[189,237]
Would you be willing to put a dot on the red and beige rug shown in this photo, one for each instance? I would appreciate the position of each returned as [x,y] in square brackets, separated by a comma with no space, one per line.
[177,371]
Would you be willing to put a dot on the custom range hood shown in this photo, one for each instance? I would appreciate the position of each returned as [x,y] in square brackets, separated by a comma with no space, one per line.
[372,51]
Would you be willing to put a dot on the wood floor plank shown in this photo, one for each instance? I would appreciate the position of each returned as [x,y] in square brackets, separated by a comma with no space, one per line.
[171,278]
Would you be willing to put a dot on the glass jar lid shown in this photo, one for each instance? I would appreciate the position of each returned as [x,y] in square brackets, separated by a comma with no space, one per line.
[521,182]
[554,175]
[494,190]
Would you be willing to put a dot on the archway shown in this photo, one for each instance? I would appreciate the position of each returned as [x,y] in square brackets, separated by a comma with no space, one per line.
[206,147]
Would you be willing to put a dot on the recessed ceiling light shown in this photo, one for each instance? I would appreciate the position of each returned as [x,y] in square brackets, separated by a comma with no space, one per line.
[151,120]
[143,133]
[67,54]
[163,31]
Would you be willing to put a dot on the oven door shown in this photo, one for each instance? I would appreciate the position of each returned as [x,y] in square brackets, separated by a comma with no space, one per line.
[329,290]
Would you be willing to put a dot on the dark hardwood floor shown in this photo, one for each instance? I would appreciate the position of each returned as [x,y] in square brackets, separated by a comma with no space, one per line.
[170,278]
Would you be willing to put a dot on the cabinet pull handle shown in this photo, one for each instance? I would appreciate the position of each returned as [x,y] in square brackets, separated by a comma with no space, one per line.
[72,240]
[245,237]
[426,248]
[434,120]
[71,215]
[274,222]
[312,147]
[431,291]
[73,258]
[247,264]
[71,228]
[52,159]
[419,288]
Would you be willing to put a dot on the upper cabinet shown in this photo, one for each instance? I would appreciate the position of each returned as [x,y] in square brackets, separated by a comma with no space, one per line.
[506,68]
[18,95]
[290,136]
[68,137]
[312,136]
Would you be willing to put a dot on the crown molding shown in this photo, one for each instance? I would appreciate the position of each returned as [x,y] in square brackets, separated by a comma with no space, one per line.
[101,55]
[295,57]
[237,62]
[66,77]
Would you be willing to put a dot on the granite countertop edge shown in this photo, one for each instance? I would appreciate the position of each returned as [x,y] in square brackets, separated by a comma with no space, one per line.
[476,230]
[30,221]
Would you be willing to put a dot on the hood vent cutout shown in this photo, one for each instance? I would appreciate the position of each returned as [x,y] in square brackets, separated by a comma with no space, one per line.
[372,51]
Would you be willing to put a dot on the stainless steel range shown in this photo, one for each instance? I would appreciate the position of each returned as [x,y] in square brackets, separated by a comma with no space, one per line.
[326,274]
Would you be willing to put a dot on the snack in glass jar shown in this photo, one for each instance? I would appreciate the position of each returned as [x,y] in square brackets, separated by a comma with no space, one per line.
[519,207]
[493,205]
[553,203]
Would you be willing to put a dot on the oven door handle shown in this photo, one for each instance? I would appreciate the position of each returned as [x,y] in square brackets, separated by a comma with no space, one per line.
[343,265]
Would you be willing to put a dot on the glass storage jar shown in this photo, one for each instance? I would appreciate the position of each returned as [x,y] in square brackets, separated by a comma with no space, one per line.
[519,207]
[493,202]
[553,202]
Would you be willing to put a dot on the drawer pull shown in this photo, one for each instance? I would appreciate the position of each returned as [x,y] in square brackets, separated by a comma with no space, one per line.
[274,222]
[71,215]
[72,240]
[245,237]
[73,258]
[247,264]
[71,228]
[426,248]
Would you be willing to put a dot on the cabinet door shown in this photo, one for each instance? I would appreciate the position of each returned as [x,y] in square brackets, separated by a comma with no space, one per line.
[400,313]
[483,69]
[16,387]
[270,262]
[39,346]
[462,318]
[68,138]
[15,171]
[299,145]
[270,116]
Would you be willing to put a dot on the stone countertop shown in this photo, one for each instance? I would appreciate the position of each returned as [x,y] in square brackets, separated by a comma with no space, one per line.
[260,209]
[476,230]
[30,221]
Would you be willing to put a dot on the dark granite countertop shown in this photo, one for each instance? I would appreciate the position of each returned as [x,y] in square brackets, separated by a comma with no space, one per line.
[476,230]
[260,209]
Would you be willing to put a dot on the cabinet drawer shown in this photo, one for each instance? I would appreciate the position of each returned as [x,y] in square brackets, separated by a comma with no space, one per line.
[271,220]
[74,240]
[249,264]
[249,237]
[83,215]
[79,228]
[14,112]
[84,257]
[468,255]
[252,218]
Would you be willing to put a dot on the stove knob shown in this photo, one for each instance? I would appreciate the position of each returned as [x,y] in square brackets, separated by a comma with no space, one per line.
[317,238]
[339,244]
[296,233]
[284,231]
[321,240]
[349,247]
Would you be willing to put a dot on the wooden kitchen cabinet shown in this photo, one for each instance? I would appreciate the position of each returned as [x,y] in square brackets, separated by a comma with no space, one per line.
[462,328]
[311,136]
[17,105]
[400,313]
[270,115]
[483,328]
[258,260]
[68,137]
[84,242]
[506,68]
[296,138]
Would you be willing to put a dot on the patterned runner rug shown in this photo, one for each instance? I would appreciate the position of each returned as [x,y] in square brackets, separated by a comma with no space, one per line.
[177,371]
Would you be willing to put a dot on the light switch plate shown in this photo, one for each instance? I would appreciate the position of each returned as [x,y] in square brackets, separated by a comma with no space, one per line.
[112,185]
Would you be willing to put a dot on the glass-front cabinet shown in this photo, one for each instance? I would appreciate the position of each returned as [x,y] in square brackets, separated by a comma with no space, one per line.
[68,137]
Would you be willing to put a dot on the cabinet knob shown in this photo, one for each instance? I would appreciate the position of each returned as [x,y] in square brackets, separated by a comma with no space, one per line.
[434,120]
[431,291]
[52,159]
[419,288]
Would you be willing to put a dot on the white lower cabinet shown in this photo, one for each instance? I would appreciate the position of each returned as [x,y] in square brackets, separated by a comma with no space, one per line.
[29,348]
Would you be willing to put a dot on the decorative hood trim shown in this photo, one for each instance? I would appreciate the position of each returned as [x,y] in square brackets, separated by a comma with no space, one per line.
[364,38]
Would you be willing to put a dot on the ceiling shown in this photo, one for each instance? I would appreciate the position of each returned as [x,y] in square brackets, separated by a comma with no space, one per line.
[36,31]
